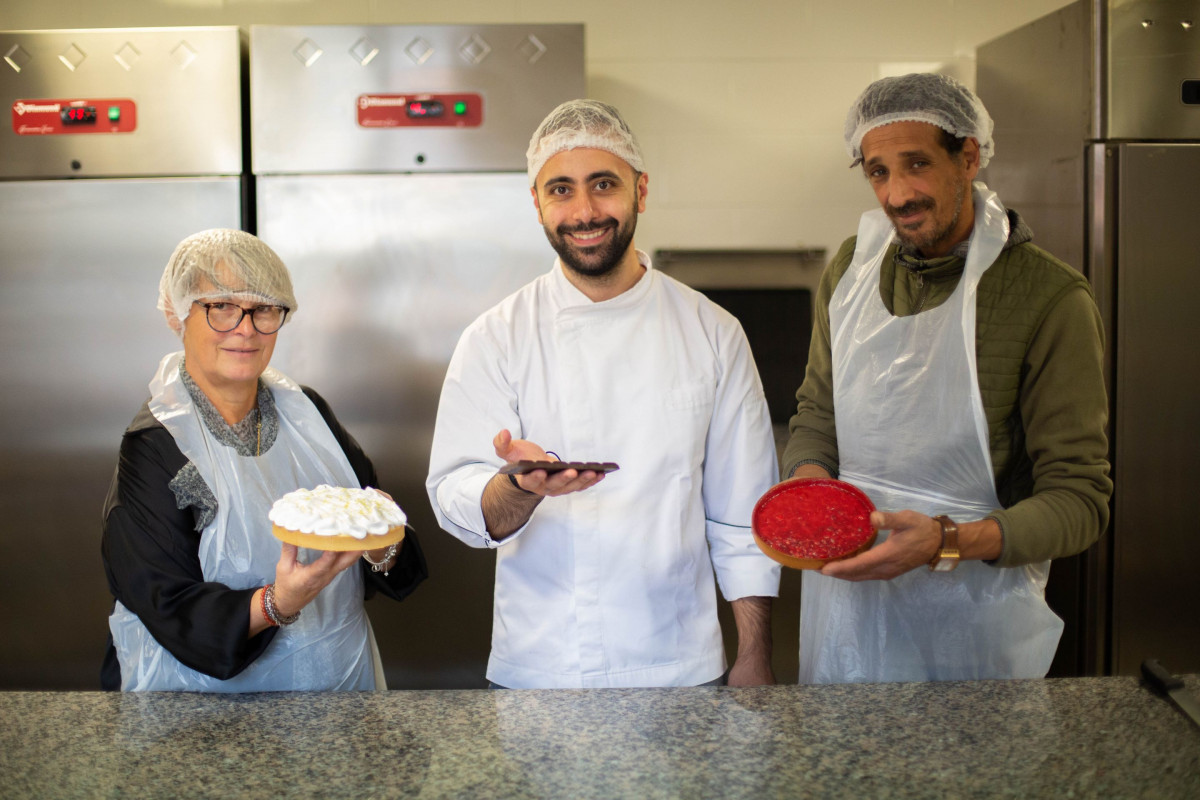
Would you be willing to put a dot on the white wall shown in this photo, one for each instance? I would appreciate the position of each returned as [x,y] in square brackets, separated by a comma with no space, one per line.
[739,106]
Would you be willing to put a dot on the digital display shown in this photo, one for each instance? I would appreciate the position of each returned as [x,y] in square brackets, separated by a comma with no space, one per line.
[425,109]
[78,115]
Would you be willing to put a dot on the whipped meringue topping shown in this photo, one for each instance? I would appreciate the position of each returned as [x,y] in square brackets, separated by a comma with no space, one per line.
[337,510]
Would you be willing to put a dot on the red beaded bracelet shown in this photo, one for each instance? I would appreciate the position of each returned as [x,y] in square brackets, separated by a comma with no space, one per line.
[263,606]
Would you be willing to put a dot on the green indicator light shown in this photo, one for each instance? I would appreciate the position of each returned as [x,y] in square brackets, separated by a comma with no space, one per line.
[114,113]
[460,107]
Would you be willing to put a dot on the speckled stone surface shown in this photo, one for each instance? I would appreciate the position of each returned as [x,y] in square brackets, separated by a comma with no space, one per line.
[1088,737]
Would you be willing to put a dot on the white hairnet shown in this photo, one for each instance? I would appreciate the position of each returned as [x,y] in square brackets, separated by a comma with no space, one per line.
[582,123]
[920,97]
[223,264]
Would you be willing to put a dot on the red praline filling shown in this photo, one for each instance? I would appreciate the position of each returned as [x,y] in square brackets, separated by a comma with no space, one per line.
[819,520]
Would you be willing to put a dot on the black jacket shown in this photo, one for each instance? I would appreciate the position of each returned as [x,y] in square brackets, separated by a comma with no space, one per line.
[152,560]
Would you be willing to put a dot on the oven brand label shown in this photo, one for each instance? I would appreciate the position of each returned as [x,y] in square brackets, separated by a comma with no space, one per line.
[22,108]
[374,101]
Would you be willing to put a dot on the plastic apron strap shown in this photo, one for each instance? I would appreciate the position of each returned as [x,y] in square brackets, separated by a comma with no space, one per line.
[896,379]
[331,647]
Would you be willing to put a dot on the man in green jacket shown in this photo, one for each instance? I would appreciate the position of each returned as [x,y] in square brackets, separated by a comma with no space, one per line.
[955,376]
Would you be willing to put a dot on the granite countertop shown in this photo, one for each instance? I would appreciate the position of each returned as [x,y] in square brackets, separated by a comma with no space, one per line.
[1085,737]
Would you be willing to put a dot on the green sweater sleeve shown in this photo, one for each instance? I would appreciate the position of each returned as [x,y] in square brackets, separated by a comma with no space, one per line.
[813,431]
[1063,411]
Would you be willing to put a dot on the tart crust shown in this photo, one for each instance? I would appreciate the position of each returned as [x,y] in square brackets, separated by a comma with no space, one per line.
[341,541]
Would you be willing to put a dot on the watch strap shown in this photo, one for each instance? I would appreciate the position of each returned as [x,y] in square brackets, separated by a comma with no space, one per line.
[948,555]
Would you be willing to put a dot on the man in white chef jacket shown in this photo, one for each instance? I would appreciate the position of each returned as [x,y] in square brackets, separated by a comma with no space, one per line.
[955,375]
[607,580]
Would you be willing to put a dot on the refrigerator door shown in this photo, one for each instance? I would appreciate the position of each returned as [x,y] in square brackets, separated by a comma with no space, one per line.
[177,91]
[390,167]
[1156,425]
[388,271]
[314,90]
[1153,62]
[79,275]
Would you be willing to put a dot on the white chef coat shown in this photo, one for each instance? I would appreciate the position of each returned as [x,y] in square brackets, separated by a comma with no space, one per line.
[612,586]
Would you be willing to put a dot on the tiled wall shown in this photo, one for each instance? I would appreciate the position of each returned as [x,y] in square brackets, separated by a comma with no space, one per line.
[739,106]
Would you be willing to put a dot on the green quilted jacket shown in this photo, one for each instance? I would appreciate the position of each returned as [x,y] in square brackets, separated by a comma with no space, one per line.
[1039,350]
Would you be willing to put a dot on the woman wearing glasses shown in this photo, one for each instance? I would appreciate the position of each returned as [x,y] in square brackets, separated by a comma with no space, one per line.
[187,543]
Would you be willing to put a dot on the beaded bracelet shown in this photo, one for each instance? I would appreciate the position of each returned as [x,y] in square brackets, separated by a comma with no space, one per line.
[262,604]
[272,612]
[388,555]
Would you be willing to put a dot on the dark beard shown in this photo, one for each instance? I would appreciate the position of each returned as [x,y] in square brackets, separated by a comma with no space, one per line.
[594,262]
[935,237]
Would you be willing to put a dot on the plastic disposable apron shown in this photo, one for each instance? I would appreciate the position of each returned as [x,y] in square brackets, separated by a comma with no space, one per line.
[331,646]
[912,434]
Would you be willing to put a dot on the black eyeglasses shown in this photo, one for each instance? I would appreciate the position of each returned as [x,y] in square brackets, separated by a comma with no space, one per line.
[224,317]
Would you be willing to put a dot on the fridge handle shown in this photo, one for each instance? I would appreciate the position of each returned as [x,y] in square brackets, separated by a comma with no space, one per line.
[1100,267]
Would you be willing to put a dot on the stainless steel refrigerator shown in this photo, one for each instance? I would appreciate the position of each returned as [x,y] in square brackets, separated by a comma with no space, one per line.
[119,143]
[390,175]
[1097,110]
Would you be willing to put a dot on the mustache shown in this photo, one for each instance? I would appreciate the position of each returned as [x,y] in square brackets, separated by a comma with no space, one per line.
[911,207]
[584,227]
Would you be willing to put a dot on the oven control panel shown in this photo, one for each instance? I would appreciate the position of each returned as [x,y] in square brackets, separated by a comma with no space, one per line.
[446,110]
[57,116]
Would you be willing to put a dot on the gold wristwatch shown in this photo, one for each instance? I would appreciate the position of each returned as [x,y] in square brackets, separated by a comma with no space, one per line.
[946,558]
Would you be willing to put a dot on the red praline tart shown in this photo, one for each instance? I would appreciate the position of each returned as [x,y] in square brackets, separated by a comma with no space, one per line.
[805,523]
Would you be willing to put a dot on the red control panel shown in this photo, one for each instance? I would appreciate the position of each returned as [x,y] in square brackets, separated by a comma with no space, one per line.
[58,116]
[462,110]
